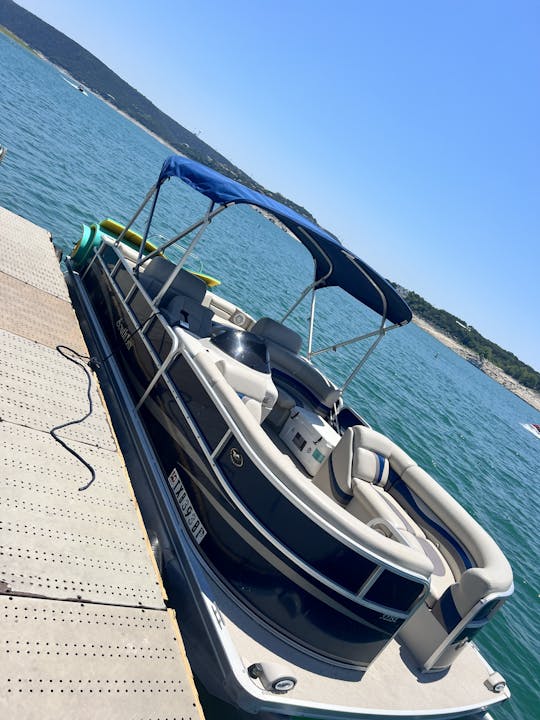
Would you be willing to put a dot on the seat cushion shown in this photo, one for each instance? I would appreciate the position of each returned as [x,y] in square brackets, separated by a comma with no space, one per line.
[301,376]
[370,467]
[185,283]
[186,312]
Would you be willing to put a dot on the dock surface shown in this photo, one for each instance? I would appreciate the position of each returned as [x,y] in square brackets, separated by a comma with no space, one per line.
[85,632]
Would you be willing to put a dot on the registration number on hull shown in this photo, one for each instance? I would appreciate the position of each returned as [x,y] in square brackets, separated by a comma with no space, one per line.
[191,518]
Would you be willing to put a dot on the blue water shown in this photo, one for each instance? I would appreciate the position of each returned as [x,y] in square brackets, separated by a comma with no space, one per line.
[72,158]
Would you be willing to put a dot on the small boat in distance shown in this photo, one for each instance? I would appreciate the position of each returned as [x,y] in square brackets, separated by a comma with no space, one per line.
[316,569]
[533,428]
[3,152]
[77,86]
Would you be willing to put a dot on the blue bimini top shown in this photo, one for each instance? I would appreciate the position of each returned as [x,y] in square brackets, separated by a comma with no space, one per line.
[335,265]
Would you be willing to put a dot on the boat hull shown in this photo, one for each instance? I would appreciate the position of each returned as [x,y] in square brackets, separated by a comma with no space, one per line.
[235,513]
[532,429]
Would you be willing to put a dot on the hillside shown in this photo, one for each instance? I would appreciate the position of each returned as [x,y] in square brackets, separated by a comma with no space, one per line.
[532,397]
[97,77]
[481,352]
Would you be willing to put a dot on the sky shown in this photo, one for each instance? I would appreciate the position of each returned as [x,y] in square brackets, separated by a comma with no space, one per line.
[408,128]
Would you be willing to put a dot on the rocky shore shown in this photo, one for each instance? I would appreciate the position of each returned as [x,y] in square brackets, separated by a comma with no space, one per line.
[530,396]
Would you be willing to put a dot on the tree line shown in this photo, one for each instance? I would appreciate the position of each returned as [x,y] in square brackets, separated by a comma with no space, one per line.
[466,335]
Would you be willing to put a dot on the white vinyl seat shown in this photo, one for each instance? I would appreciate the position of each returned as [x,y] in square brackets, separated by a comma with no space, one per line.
[256,389]
[377,482]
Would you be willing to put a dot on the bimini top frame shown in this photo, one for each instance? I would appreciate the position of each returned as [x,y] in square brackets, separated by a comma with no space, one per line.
[334,264]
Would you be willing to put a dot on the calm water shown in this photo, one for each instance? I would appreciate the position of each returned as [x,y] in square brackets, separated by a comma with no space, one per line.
[71,158]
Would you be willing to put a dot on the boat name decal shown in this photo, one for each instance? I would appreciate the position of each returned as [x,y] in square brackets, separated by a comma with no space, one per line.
[191,518]
[124,333]
[389,618]
[236,457]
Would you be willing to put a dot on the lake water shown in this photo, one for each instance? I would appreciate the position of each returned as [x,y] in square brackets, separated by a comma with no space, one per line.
[71,158]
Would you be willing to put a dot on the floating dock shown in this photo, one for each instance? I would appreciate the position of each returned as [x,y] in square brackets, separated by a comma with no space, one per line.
[85,632]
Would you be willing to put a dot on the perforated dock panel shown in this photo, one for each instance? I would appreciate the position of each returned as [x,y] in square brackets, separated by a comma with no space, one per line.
[85,631]
[71,660]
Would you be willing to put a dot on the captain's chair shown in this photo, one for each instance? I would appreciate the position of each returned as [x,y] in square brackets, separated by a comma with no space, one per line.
[298,374]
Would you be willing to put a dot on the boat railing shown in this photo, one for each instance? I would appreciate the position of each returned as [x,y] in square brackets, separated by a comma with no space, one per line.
[165,345]
[142,311]
[481,582]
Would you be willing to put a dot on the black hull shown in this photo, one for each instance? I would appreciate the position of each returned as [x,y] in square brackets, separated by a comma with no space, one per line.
[232,511]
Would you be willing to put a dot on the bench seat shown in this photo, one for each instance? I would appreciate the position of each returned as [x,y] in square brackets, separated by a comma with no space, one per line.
[382,486]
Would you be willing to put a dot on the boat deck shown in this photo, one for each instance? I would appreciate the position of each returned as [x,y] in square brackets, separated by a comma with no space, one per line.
[85,623]
[391,687]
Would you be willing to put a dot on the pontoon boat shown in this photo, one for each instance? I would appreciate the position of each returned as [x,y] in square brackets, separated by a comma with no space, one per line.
[316,569]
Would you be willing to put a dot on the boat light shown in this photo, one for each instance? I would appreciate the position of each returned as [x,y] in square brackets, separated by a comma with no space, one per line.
[495,682]
[273,677]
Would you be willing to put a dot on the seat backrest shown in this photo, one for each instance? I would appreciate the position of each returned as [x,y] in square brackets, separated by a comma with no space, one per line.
[349,463]
[256,389]
[376,442]
[278,333]
[186,312]
[181,304]
[334,476]
[185,283]
[294,370]
[154,274]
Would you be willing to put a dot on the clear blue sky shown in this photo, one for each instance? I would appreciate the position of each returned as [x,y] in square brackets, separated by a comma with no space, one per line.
[410,128]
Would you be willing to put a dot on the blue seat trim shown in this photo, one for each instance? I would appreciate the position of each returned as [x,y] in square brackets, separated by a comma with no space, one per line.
[401,488]
[381,460]
[448,611]
[343,497]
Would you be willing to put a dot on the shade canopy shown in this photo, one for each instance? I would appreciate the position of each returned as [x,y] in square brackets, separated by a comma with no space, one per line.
[335,265]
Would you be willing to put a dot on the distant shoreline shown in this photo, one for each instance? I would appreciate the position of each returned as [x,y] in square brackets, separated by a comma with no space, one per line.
[136,122]
[495,373]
